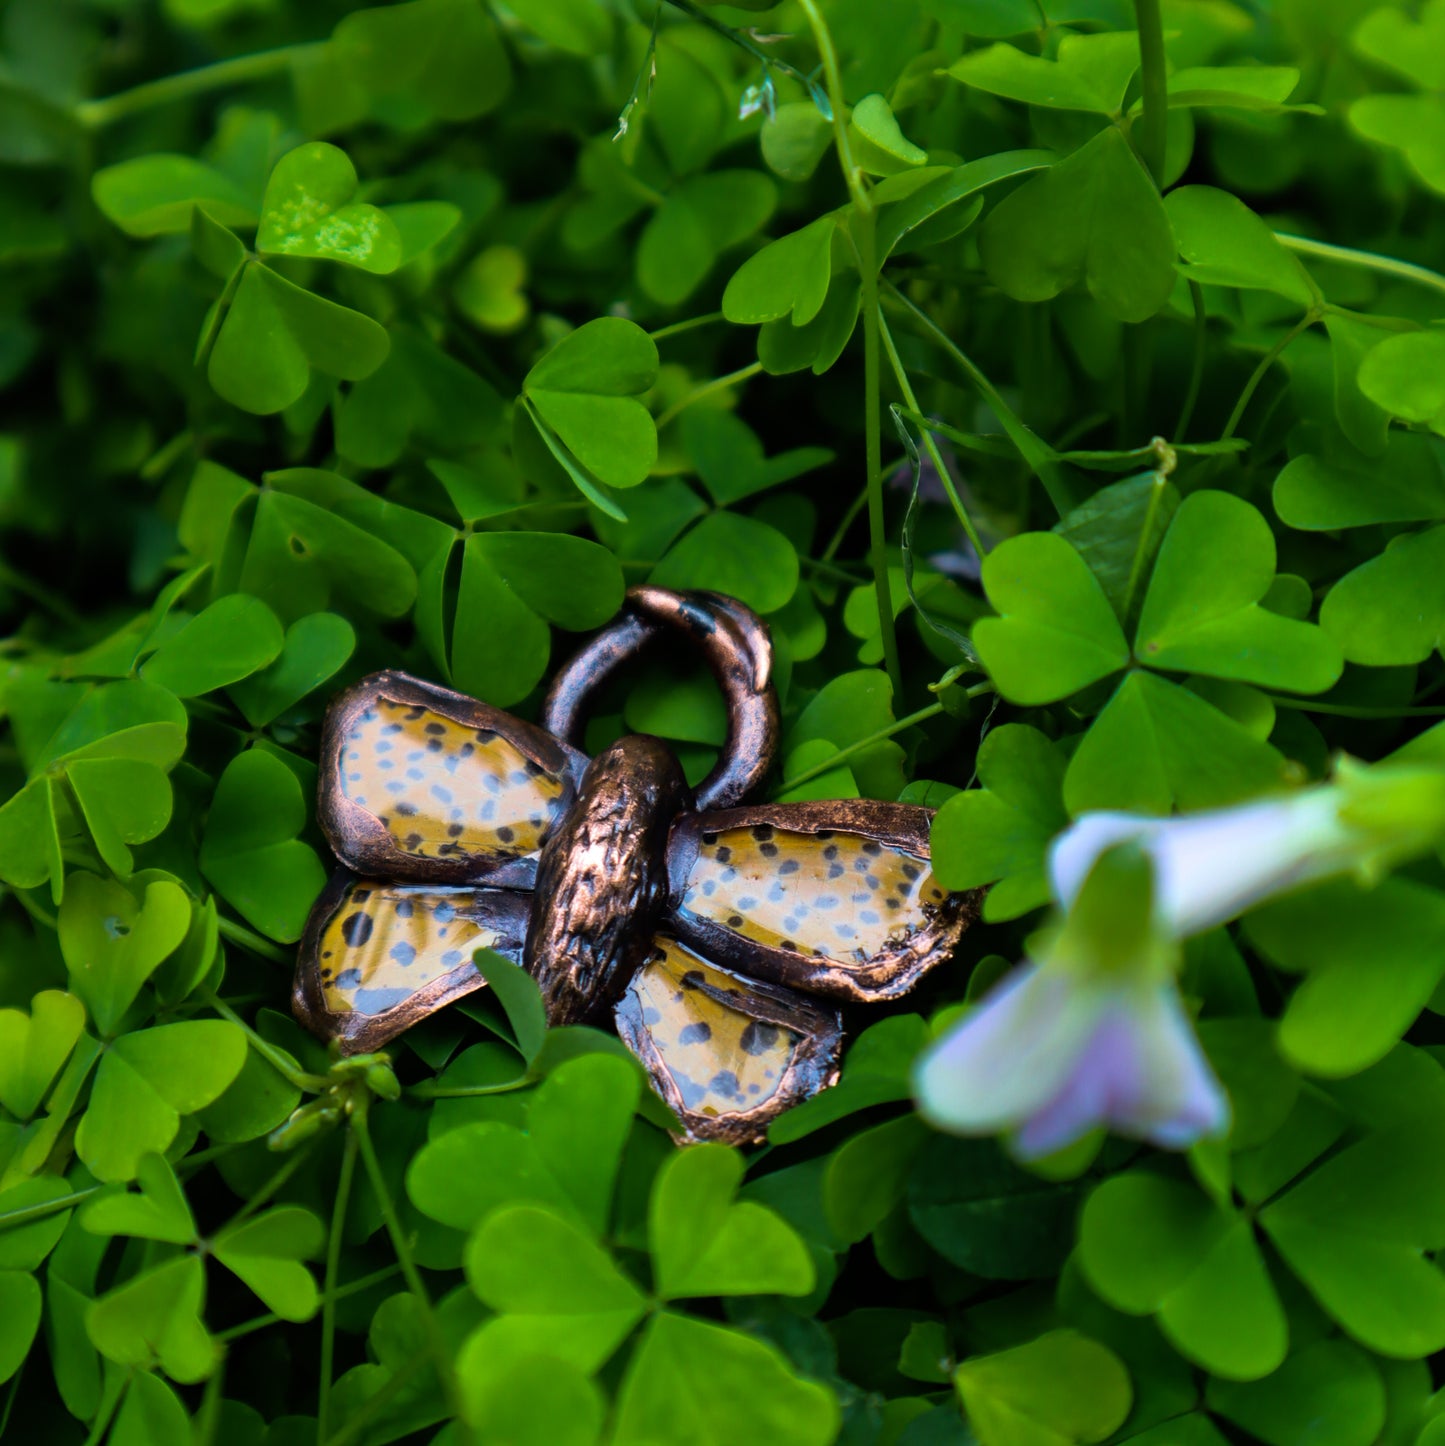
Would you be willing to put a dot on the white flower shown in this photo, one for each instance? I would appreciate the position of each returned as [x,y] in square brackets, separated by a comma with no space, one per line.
[1208,867]
[1049,1056]
[1091,1034]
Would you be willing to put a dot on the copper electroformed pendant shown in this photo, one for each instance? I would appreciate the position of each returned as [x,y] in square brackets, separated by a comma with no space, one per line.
[689,921]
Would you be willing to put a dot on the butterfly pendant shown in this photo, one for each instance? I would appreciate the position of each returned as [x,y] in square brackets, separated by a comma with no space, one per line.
[699,927]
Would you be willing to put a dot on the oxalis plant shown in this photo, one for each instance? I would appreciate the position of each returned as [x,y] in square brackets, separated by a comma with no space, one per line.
[1063,382]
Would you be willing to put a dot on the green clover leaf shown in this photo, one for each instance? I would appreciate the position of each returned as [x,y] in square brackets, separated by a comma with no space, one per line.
[788,277]
[34,1048]
[308,211]
[585,393]
[514,585]
[146,1082]
[250,851]
[1056,632]
[998,834]
[159,1210]
[1151,1246]
[1325,491]
[1414,124]
[155,195]
[1204,618]
[1095,219]
[112,944]
[1091,73]
[1060,1389]
[703,1243]
[273,335]
[701,218]
[154,1319]
[231,639]
[266,1252]
[1391,610]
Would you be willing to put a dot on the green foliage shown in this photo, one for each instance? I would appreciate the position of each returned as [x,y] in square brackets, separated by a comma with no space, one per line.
[335,338]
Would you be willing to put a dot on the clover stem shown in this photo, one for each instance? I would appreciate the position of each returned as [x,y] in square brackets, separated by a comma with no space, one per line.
[864,232]
[1365,260]
[352,1287]
[736,37]
[328,1285]
[1041,459]
[445,1374]
[1258,374]
[273,1056]
[883,734]
[717,384]
[248,939]
[278,1179]
[678,327]
[1154,88]
[929,445]
[1196,364]
[239,70]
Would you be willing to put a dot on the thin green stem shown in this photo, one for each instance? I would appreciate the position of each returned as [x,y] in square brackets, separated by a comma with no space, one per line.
[843,754]
[240,70]
[1036,453]
[249,939]
[865,228]
[1196,362]
[25,1215]
[833,75]
[37,592]
[1346,710]
[352,1287]
[302,1079]
[329,1288]
[717,384]
[268,1191]
[409,1271]
[1153,88]
[846,522]
[691,324]
[1365,260]
[736,37]
[1258,374]
[945,476]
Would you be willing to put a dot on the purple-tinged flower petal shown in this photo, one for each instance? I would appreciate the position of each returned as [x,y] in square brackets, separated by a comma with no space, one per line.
[1141,1074]
[1008,1057]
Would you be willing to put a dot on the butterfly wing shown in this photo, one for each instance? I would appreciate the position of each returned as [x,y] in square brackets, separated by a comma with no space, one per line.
[377,958]
[837,898]
[419,782]
[727,1053]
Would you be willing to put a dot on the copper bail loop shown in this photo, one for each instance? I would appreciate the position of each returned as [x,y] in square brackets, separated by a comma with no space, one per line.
[735,642]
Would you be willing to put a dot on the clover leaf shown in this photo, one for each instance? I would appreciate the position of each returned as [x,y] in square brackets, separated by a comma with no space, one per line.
[440,58]
[584,394]
[1156,747]
[1414,124]
[157,1211]
[1325,491]
[741,556]
[1149,1245]
[1223,243]
[154,1319]
[1391,609]
[155,195]
[250,851]
[266,1252]
[315,648]
[1056,632]
[1094,218]
[788,277]
[513,585]
[998,834]
[1091,73]
[308,210]
[700,219]
[231,639]
[1402,375]
[275,333]
[1371,961]
[20,1307]
[1203,619]
[146,1082]
[34,1048]
[1061,1388]
[112,944]
[704,1243]
[880,146]
[720,1387]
